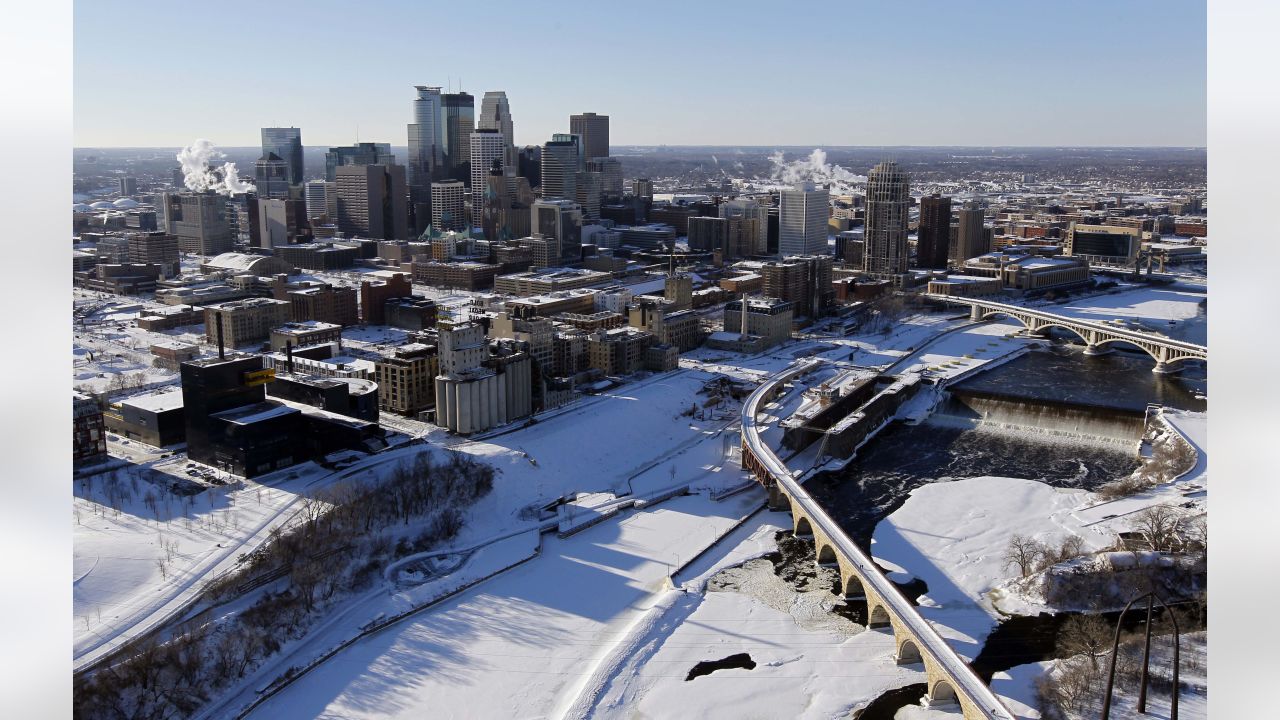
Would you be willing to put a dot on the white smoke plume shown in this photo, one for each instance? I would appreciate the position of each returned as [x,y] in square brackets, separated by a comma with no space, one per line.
[198,176]
[814,169]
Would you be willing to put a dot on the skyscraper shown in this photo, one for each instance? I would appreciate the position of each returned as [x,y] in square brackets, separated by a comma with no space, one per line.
[559,168]
[365,153]
[287,144]
[486,145]
[425,152]
[458,113]
[448,206]
[495,114]
[802,221]
[746,209]
[610,170]
[199,220]
[888,203]
[271,177]
[971,235]
[317,197]
[933,241]
[594,131]
[371,201]
[588,194]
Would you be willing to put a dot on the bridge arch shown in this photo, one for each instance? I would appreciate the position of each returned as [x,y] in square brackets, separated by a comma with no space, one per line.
[827,555]
[877,616]
[804,528]
[943,694]
[909,653]
[853,587]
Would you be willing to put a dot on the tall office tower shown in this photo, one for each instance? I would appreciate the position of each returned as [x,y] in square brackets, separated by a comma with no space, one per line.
[425,153]
[271,177]
[371,201]
[458,121]
[495,114]
[802,221]
[588,195]
[287,144]
[888,203]
[562,220]
[643,188]
[529,165]
[278,222]
[365,153]
[577,144]
[486,146]
[199,220]
[448,205]
[594,131]
[610,170]
[317,197]
[492,203]
[748,209]
[971,235]
[128,186]
[559,168]
[933,241]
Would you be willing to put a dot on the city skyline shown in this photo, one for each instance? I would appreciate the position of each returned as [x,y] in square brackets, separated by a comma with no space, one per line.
[1011,69]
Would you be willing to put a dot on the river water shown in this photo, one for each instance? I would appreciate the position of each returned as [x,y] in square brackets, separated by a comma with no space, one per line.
[995,424]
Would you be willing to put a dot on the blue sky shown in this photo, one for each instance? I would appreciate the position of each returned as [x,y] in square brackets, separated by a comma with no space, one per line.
[680,73]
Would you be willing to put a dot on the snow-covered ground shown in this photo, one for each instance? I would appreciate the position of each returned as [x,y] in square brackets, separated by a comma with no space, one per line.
[1175,313]
[527,643]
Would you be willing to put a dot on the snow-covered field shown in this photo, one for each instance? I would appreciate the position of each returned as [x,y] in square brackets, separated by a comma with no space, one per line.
[527,643]
[1175,313]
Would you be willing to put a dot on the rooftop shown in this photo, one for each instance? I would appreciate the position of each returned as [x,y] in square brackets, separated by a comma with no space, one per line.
[169,399]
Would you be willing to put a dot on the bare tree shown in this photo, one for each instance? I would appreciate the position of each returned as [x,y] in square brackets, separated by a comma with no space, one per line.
[1159,525]
[1088,635]
[1023,553]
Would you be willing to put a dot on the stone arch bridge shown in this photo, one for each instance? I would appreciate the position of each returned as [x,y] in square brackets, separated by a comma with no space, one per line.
[950,680]
[1168,354]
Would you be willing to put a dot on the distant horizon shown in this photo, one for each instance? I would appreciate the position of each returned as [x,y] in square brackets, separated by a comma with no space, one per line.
[1006,73]
[798,146]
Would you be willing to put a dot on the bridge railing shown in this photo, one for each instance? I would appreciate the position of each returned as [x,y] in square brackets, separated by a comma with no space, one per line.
[1087,324]
[962,677]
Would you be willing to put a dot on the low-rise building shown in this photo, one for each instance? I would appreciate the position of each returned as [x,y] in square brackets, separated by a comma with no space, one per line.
[620,351]
[374,294]
[319,256]
[170,354]
[171,317]
[767,318]
[410,313]
[89,434]
[153,418]
[1023,272]
[965,286]
[549,280]
[406,379]
[244,321]
[468,275]
[303,333]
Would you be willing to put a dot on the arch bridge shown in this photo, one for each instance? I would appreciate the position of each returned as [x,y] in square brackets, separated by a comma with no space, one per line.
[950,680]
[1169,354]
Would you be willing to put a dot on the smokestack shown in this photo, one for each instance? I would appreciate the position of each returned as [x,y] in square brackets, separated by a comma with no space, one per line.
[743,334]
[217,318]
[288,351]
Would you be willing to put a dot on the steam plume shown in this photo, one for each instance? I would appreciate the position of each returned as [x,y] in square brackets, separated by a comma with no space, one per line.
[198,176]
[815,169]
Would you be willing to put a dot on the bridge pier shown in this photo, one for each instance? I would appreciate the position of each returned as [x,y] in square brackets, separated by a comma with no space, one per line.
[1164,368]
[1093,350]
[975,313]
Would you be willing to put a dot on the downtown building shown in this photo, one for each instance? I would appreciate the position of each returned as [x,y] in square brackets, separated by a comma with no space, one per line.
[933,239]
[495,114]
[198,220]
[594,131]
[425,153]
[285,143]
[802,221]
[888,206]
[479,388]
[372,201]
